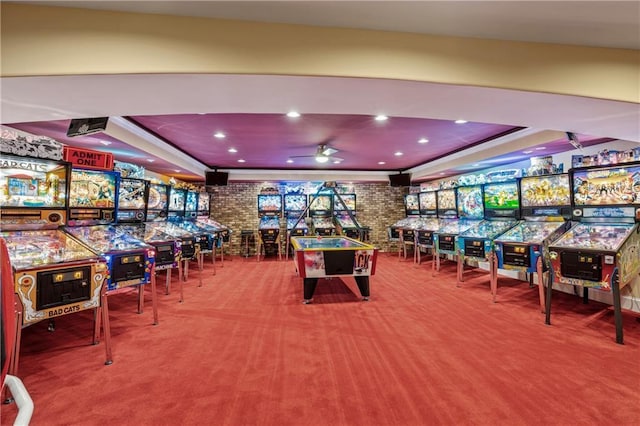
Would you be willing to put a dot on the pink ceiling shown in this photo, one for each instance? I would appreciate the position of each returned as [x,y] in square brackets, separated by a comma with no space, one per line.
[266,141]
[98,141]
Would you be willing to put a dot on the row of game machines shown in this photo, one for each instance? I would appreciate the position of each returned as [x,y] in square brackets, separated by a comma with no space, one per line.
[328,213]
[582,226]
[75,235]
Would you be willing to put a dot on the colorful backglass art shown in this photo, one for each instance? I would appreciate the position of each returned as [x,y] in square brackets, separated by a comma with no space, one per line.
[131,194]
[295,202]
[92,189]
[614,186]
[470,203]
[157,197]
[501,196]
[269,203]
[446,199]
[427,200]
[541,191]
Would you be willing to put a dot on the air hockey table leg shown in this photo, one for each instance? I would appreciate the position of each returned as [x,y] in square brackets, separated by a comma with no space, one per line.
[363,286]
[309,288]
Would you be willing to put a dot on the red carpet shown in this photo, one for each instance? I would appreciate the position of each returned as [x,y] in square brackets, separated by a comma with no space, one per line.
[244,350]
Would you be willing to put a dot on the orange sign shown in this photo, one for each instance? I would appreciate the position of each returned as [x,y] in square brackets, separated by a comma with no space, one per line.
[88,158]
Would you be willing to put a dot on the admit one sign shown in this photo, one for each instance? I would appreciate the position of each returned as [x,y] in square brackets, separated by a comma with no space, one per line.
[88,158]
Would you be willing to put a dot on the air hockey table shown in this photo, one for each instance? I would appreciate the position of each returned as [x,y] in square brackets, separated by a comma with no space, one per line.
[334,256]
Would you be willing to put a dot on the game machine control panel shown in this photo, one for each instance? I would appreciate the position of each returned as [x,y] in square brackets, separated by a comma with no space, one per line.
[500,208]
[546,210]
[321,213]
[601,251]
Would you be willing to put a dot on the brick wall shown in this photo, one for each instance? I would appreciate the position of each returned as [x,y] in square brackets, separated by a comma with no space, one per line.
[378,206]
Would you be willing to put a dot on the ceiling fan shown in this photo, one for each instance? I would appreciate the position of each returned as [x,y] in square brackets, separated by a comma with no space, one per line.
[323,154]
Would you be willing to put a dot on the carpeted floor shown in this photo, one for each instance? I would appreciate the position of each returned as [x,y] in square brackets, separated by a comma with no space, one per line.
[244,350]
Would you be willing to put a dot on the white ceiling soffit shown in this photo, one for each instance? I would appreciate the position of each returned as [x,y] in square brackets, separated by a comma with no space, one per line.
[588,23]
[60,97]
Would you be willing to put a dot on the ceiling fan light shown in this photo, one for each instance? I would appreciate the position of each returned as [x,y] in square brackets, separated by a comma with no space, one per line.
[321,158]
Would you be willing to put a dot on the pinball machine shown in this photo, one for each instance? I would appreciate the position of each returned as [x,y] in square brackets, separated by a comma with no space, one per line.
[132,206]
[206,236]
[321,214]
[406,227]
[222,232]
[430,223]
[93,201]
[344,210]
[295,209]
[477,243]
[546,208]
[167,202]
[53,274]
[460,208]
[269,212]
[602,251]
[204,217]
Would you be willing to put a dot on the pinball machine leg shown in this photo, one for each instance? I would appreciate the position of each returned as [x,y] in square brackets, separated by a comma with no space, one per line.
[617,306]
[106,327]
[585,295]
[140,298]
[181,290]
[7,398]
[167,283]
[460,269]
[185,270]
[200,268]
[493,268]
[540,272]
[154,297]
[547,317]
[97,323]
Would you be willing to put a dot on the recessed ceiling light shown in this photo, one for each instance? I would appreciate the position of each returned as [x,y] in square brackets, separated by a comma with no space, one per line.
[289,161]
[107,143]
[232,150]
[540,148]
[397,153]
[442,173]
[381,117]
[219,135]
[423,140]
[202,113]
[322,158]
[151,160]
[381,162]
[177,170]
[336,161]
[460,121]
[527,152]
[241,161]
[476,165]
[293,114]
